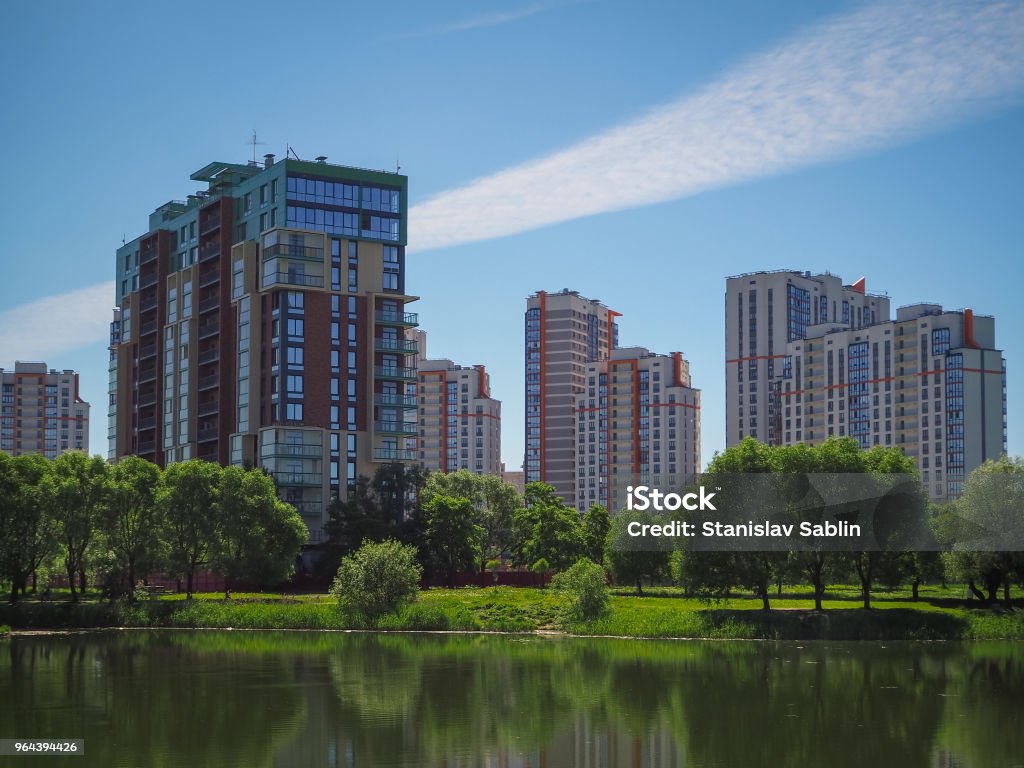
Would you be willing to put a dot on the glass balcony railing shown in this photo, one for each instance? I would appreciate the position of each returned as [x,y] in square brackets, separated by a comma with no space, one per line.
[396,345]
[395,372]
[397,318]
[293,278]
[394,454]
[399,401]
[396,427]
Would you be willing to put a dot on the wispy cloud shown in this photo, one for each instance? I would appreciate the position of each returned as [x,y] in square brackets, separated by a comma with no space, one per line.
[493,19]
[879,76]
[42,329]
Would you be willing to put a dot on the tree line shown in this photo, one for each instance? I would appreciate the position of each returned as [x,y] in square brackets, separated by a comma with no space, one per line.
[83,518]
[461,522]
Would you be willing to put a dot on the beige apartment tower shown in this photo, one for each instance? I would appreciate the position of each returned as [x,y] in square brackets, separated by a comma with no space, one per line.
[41,411]
[930,382]
[459,421]
[564,332]
[637,423]
[764,311]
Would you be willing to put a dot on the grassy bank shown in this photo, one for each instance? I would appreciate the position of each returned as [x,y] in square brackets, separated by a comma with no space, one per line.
[663,613]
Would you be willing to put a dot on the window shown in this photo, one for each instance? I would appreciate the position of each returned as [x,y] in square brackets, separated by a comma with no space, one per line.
[295,357]
[296,329]
[293,411]
[294,385]
[392,268]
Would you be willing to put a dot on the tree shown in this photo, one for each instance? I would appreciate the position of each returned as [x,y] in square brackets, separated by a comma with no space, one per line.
[990,550]
[133,523]
[378,578]
[377,508]
[632,559]
[189,500]
[258,535]
[585,588]
[29,533]
[596,525]
[76,492]
[547,529]
[452,535]
[496,504]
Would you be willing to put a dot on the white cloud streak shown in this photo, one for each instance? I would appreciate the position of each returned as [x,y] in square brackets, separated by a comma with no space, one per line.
[42,329]
[482,21]
[877,77]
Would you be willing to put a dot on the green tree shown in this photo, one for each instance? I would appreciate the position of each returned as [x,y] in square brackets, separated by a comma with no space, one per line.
[596,525]
[547,529]
[496,504]
[585,589]
[990,551]
[259,536]
[632,559]
[452,534]
[133,523]
[28,531]
[76,493]
[377,579]
[189,499]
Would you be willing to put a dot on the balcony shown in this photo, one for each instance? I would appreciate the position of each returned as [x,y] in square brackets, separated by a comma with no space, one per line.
[147,304]
[148,446]
[396,345]
[147,255]
[147,375]
[396,427]
[147,399]
[308,508]
[147,351]
[210,302]
[298,478]
[211,223]
[208,408]
[209,251]
[147,423]
[147,328]
[298,449]
[207,433]
[209,278]
[288,251]
[394,454]
[208,382]
[400,401]
[148,281]
[206,330]
[293,278]
[409,319]
[395,372]
[211,355]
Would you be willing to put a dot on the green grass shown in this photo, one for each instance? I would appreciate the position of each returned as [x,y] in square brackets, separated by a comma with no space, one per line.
[663,612]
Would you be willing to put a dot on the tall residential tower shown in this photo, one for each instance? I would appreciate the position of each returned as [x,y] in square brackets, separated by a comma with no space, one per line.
[263,321]
[564,332]
[41,411]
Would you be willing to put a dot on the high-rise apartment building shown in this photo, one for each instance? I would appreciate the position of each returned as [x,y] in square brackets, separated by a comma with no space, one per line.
[262,322]
[764,311]
[459,421]
[637,423]
[564,331]
[931,382]
[41,412]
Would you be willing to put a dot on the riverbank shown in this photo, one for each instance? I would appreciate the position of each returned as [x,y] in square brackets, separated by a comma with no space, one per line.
[660,615]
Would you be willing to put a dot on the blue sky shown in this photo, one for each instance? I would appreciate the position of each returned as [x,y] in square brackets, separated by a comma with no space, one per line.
[636,152]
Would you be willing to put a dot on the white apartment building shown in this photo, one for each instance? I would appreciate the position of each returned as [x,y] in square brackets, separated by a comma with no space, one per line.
[765,311]
[637,422]
[459,422]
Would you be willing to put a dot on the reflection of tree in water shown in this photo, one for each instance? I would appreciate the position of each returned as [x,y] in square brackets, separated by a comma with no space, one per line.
[841,705]
[986,691]
[139,699]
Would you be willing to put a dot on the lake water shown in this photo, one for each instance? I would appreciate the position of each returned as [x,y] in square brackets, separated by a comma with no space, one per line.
[216,698]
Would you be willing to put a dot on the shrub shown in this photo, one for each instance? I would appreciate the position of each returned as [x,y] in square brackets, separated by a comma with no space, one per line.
[493,564]
[586,590]
[377,579]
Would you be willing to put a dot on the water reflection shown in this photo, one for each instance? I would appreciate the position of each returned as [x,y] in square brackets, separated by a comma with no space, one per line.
[183,698]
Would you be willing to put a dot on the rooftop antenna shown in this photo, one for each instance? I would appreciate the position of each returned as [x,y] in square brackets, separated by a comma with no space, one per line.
[254,141]
[398,167]
[294,153]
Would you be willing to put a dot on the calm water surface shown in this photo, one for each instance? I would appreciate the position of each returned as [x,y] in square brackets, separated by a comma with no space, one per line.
[195,698]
